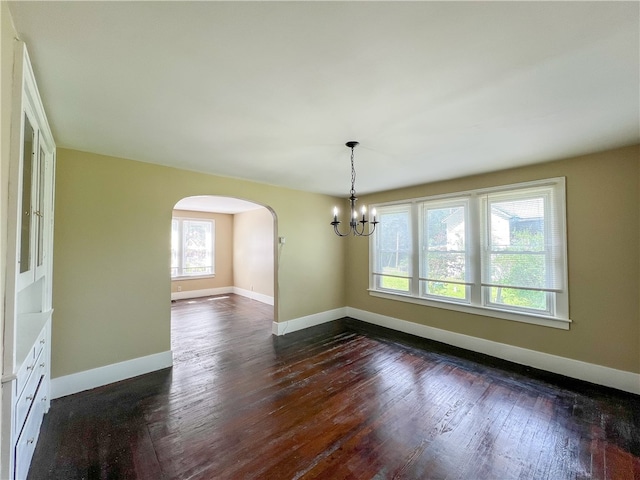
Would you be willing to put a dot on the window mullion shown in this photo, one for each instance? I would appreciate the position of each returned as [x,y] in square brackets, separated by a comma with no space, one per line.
[416,248]
[474,240]
[549,217]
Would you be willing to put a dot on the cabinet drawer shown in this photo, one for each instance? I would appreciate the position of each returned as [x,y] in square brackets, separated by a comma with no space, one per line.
[26,444]
[25,374]
[29,393]
[30,363]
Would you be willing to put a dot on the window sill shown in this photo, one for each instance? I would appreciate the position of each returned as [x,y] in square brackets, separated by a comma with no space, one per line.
[192,277]
[545,321]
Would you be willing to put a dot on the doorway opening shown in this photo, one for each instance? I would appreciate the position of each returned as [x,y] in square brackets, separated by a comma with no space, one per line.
[223,246]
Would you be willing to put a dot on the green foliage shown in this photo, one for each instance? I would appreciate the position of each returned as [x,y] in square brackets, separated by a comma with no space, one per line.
[450,290]
[519,298]
[524,269]
[394,283]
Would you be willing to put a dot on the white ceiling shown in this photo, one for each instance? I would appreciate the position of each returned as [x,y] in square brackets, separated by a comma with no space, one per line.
[270,91]
[212,203]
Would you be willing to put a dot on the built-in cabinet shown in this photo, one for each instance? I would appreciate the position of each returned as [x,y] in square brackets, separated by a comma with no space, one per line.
[28,302]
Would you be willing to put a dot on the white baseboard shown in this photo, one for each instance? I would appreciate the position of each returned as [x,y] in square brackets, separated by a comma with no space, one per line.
[280,328]
[205,292]
[97,377]
[590,372]
[253,295]
[598,374]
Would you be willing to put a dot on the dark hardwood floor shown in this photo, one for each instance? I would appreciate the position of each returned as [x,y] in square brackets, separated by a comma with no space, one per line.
[340,401]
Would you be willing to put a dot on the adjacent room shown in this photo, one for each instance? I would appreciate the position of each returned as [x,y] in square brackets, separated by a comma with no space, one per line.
[310,239]
[222,245]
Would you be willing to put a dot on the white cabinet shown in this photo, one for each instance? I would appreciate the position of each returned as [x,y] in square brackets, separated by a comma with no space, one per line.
[27,306]
[36,172]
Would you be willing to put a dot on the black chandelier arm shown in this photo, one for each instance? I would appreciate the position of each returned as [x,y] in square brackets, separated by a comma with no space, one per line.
[354,229]
[337,231]
[360,232]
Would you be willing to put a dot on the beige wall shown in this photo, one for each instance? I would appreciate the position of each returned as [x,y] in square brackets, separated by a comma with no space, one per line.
[603,230]
[223,253]
[253,251]
[111,290]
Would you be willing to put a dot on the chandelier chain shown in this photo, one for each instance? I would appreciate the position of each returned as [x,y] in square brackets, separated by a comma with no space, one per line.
[353,175]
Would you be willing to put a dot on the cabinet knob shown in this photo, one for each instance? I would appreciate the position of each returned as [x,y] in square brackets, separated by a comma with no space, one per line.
[29,398]
[31,440]
[44,399]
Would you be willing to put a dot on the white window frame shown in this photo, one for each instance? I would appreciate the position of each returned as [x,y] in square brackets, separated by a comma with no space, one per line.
[458,201]
[376,273]
[478,300]
[180,250]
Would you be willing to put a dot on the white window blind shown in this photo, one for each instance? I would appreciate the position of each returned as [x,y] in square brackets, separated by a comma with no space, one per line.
[393,258]
[523,240]
[444,242]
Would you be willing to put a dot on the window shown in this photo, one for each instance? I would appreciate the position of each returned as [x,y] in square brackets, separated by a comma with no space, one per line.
[501,249]
[394,252]
[444,259]
[192,247]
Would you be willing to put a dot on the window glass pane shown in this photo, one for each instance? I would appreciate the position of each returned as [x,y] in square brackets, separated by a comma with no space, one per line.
[514,297]
[393,255]
[27,207]
[518,225]
[446,290]
[525,270]
[196,247]
[444,232]
[192,251]
[443,253]
[517,255]
[393,283]
[394,243]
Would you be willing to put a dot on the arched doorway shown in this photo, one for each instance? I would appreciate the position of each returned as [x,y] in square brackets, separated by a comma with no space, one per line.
[222,245]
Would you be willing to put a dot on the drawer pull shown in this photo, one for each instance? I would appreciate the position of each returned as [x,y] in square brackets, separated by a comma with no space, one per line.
[42,365]
[29,398]
[31,440]
[44,399]
[42,341]
[30,367]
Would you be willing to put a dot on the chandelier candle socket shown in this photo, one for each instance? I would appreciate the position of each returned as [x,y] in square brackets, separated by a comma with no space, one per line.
[356,228]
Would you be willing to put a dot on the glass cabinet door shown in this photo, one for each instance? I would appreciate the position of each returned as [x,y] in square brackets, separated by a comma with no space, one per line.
[26,224]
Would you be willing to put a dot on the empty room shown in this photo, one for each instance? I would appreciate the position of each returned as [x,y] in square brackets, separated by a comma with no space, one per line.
[309,239]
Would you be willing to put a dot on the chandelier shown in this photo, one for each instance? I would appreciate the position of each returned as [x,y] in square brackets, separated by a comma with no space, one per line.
[357,227]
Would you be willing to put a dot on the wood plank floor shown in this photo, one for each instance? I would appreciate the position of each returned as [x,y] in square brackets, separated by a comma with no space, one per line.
[339,401]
